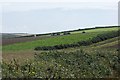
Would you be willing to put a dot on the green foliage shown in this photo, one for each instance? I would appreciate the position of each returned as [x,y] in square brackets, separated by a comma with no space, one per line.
[54,64]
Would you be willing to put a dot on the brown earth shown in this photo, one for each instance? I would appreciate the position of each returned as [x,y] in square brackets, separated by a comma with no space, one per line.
[22,39]
[117,46]
[20,56]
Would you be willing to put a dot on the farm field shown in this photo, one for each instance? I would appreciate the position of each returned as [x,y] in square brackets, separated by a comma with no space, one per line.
[82,62]
[51,41]
[20,55]
[8,41]
[25,39]
[97,60]
[28,47]
[98,30]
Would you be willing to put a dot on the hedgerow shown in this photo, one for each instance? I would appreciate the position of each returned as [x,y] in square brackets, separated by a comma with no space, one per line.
[98,38]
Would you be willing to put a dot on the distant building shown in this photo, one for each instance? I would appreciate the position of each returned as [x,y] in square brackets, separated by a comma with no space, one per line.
[55,34]
[66,33]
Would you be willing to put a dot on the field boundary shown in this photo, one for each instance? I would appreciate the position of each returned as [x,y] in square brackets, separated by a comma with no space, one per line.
[98,38]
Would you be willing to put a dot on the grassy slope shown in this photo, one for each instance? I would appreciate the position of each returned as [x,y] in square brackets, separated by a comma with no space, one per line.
[91,61]
[97,30]
[102,46]
[77,64]
[107,43]
[67,39]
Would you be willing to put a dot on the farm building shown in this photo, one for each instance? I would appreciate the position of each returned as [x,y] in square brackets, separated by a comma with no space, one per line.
[55,34]
[66,33]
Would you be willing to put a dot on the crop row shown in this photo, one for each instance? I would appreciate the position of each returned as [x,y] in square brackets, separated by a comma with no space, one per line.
[98,38]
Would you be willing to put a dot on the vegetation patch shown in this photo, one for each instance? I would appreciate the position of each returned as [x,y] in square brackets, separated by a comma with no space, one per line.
[54,64]
[98,38]
[73,37]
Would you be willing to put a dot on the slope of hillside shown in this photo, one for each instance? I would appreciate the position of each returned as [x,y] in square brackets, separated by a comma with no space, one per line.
[98,60]
[86,62]
[12,35]
[58,40]
[107,43]
[110,43]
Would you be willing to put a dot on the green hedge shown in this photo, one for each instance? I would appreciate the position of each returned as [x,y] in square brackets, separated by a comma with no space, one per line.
[98,38]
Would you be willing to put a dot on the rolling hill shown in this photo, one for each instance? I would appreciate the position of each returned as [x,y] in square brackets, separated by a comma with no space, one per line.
[99,59]
[74,37]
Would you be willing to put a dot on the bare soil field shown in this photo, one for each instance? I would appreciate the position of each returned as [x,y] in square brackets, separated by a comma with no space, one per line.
[21,55]
[22,39]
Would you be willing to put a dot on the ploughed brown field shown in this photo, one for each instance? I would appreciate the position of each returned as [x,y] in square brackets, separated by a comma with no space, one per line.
[21,39]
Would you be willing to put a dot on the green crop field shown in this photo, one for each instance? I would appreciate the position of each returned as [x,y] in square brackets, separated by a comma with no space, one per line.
[97,30]
[98,60]
[58,40]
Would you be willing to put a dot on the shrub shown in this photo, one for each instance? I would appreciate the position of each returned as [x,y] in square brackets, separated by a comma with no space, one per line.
[83,32]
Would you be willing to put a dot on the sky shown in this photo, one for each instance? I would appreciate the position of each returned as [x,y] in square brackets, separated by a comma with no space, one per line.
[43,16]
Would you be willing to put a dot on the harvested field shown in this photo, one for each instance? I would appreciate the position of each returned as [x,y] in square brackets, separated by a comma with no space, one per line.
[22,39]
[21,55]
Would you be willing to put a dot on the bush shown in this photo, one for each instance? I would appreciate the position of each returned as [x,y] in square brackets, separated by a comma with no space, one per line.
[83,32]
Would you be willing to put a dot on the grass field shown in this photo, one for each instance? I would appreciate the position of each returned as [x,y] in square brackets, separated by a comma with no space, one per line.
[66,39]
[108,43]
[98,30]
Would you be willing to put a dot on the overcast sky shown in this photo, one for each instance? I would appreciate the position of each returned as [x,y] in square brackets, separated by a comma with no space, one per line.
[38,16]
